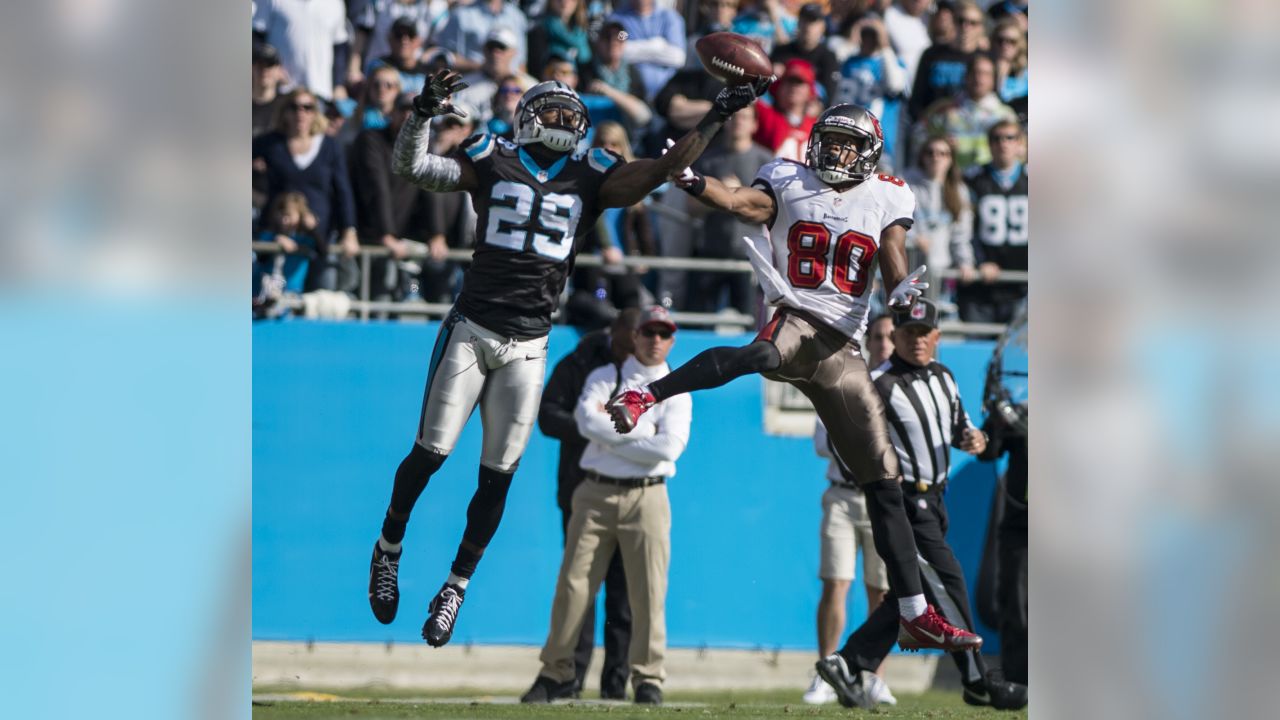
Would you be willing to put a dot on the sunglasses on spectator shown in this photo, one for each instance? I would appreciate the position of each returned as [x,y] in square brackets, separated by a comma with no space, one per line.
[510,91]
[302,107]
[650,332]
[1008,137]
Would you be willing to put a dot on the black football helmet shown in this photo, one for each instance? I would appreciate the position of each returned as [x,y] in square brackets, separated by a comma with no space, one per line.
[845,144]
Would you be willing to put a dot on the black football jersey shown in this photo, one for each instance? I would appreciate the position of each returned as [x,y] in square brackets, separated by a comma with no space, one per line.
[1000,219]
[529,220]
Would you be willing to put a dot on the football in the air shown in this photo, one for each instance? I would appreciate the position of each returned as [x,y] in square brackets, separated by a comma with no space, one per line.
[732,58]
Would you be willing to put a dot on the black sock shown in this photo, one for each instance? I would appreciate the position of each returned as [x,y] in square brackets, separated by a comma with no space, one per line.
[894,539]
[715,367]
[483,516]
[411,479]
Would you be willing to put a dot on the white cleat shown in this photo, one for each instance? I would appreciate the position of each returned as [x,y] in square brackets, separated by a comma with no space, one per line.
[819,692]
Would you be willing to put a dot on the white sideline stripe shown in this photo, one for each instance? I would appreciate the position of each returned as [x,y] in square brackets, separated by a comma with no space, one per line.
[512,668]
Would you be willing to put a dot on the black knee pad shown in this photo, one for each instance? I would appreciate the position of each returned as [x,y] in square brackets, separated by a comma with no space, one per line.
[421,462]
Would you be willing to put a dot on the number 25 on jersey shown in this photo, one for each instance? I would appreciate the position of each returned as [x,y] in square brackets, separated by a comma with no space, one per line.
[810,251]
[521,218]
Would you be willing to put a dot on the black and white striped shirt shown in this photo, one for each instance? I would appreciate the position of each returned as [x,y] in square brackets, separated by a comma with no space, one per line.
[926,417]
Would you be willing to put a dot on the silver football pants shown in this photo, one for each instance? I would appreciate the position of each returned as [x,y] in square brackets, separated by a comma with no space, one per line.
[471,366]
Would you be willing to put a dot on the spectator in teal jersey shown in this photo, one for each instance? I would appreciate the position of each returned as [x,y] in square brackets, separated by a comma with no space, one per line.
[560,32]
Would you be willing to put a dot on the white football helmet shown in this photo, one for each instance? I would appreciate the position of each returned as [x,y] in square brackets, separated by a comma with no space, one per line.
[564,134]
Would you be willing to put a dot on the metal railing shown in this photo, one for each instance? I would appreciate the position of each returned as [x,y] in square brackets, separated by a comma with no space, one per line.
[365,306]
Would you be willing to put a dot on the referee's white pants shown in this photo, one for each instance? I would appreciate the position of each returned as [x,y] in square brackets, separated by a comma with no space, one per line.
[472,365]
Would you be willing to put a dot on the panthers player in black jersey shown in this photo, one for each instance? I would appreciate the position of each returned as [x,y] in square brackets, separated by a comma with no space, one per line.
[534,198]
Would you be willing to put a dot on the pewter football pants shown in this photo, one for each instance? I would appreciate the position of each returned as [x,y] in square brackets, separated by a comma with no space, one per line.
[471,366]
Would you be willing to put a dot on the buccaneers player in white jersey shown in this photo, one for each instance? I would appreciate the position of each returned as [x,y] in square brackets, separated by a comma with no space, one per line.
[829,220]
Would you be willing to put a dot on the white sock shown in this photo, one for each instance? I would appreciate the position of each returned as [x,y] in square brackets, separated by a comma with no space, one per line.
[388,547]
[461,582]
[912,607]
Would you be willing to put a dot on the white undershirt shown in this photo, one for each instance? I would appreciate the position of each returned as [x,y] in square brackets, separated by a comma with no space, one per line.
[304,160]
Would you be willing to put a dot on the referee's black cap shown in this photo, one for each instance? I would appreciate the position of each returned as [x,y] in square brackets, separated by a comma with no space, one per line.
[923,312]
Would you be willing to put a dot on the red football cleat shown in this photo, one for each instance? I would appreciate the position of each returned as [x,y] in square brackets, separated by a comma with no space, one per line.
[931,630]
[627,407]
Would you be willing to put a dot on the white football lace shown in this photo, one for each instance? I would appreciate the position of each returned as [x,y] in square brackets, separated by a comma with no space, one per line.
[387,571]
[727,66]
[449,604]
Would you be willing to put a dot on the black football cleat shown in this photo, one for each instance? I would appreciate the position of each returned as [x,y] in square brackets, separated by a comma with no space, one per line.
[443,614]
[545,690]
[997,693]
[648,694]
[384,590]
[848,685]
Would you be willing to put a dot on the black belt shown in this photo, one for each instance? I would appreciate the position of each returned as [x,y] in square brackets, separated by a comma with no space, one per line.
[846,485]
[638,482]
[919,488]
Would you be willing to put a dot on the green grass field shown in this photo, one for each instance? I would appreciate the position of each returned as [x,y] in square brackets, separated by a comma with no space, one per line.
[269,705]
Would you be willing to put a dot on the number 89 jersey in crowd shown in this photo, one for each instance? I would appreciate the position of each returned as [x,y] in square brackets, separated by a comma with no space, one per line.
[529,220]
[825,242]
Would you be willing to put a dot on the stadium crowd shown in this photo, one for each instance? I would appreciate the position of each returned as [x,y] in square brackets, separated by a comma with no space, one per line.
[333,82]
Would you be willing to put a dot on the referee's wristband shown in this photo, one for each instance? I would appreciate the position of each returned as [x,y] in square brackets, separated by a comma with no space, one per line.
[698,187]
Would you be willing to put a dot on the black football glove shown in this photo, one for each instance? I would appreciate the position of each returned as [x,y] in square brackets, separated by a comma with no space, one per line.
[434,99]
[734,98]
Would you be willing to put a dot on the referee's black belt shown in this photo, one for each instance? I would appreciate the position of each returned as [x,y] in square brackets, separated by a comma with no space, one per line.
[636,482]
[920,488]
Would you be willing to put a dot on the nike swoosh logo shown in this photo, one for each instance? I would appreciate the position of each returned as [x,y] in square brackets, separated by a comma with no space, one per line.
[981,696]
[936,638]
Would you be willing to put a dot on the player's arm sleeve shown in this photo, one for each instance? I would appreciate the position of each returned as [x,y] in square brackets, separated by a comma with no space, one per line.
[555,412]
[592,419]
[902,208]
[669,441]
[411,158]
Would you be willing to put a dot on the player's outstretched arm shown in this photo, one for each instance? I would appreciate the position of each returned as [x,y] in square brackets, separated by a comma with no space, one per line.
[411,157]
[630,183]
[902,289]
[748,204]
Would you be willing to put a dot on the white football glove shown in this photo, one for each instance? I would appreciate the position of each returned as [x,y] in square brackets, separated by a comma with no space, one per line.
[908,290]
[686,176]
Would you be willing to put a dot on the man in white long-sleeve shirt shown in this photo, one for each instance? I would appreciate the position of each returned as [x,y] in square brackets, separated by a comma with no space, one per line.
[621,504]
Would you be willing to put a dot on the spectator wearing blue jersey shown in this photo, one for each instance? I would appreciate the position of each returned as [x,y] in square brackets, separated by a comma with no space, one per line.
[940,73]
[876,78]
[765,21]
[655,42]
[1009,48]
[611,77]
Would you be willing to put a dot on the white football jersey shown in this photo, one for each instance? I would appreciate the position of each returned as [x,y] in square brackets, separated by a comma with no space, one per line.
[825,243]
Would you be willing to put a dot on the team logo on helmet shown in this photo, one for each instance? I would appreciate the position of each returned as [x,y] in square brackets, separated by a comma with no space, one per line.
[918,311]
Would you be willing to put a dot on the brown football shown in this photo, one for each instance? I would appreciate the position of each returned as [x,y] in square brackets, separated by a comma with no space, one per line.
[732,58]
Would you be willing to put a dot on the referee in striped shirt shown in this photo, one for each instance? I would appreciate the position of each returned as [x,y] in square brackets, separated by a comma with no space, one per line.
[926,419]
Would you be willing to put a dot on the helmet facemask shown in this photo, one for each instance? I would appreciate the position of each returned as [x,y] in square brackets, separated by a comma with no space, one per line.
[843,155]
[557,120]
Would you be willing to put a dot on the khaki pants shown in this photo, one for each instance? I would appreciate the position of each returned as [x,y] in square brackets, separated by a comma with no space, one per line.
[638,523]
